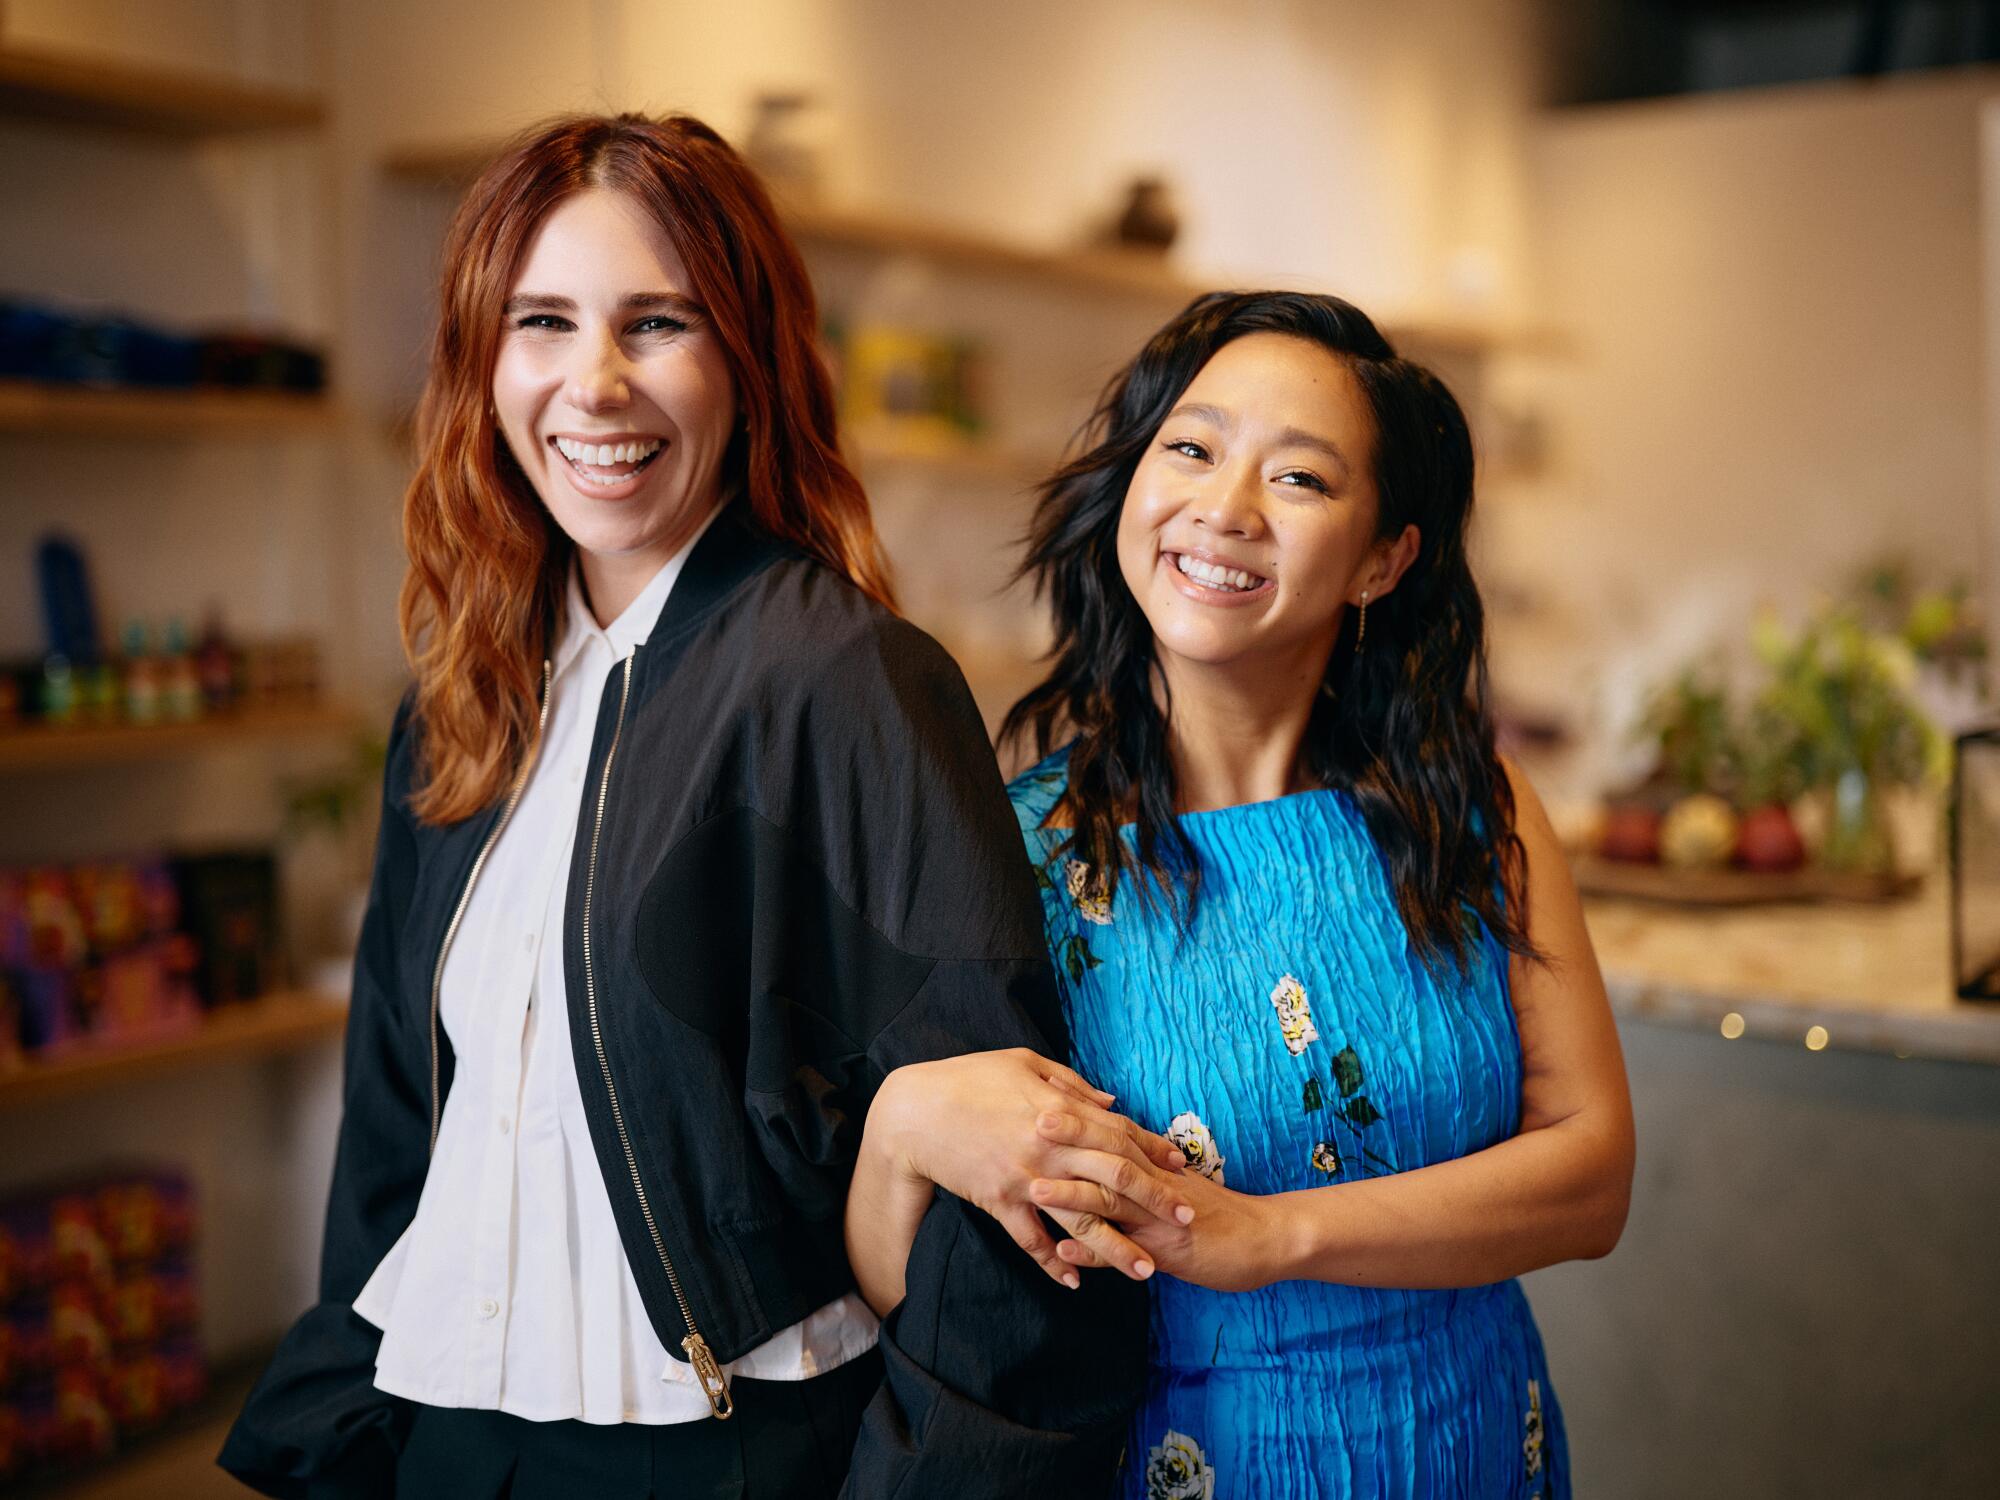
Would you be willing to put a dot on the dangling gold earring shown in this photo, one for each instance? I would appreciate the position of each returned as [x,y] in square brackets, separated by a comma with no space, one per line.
[1361,629]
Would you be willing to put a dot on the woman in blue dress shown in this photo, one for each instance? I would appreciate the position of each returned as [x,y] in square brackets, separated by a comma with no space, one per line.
[1311,929]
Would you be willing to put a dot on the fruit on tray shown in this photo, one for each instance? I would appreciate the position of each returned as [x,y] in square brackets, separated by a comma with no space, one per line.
[1631,833]
[1768,840]
[1698,833]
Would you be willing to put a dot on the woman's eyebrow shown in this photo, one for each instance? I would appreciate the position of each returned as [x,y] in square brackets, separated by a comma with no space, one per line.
[1298,437]
[1201,411]
[546,302]
[1289,437]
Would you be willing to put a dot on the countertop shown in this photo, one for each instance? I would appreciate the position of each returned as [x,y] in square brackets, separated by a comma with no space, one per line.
[1872,978]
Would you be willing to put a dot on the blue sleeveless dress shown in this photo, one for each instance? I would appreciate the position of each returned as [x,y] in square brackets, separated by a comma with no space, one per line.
[1294,1041]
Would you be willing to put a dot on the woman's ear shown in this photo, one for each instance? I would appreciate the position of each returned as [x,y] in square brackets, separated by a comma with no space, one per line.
[1388,562]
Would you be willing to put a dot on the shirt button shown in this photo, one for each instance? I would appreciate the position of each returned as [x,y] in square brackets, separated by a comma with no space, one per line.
[503,1124]
[488,1307]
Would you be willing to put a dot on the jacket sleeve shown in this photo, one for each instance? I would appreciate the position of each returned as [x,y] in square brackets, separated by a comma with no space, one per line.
[999,1382]
[315,1425]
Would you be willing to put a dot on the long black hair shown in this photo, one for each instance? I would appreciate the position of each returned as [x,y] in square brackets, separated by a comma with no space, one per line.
[1402,726]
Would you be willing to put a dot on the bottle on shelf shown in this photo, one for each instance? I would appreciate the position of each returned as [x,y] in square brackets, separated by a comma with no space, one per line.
[142,678]
[215,664]
[180,683]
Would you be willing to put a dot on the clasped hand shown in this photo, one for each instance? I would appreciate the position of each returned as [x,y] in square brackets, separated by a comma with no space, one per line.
[1019,1135]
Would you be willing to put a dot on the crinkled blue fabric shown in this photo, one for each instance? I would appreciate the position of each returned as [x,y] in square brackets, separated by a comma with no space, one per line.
[1292,1040]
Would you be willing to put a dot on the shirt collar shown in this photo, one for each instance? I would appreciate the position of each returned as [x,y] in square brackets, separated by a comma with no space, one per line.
[631,628]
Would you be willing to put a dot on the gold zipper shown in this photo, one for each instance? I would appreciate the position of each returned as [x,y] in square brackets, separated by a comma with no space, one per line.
[465,896]
[706,1370]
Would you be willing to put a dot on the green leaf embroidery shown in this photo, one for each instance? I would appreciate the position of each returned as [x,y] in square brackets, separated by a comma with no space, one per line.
[1360,1113]
[1076,956]
[1042,881]
[1346,1072]
[1313,1097]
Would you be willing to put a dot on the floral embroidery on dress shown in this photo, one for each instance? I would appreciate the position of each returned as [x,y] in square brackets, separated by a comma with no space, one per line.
[1531,1445]
[1197,1145]
[1178,1470]
[1354,1109]
[1295,1017]
[1092,902]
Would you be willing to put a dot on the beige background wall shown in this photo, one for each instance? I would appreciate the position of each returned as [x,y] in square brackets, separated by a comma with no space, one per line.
[1775,370]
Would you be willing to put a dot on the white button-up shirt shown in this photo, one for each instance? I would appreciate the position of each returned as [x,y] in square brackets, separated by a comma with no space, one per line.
[510,1289]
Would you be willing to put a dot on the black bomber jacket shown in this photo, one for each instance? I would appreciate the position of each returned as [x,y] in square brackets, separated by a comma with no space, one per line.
[795,870]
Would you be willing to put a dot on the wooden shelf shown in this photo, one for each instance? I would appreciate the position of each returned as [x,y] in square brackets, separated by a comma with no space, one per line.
[36,407]
[278,1023]
[50,747]
[74,90]
[1123,272]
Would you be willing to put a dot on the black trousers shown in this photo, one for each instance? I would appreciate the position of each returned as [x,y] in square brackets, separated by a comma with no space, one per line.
[788,1440]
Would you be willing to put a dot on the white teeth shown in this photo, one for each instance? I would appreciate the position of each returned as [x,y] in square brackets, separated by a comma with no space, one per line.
[602,454]
[1218,578]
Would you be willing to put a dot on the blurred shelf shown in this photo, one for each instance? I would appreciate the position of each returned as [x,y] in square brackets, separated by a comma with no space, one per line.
[283,1022]
[77,90]
[971,460]
[1125,272]
[52,747]
[38,407]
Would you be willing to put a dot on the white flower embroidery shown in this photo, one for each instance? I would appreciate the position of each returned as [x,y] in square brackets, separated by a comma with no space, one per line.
[1197,1145]
[1087,893]
[1326,1158]
[1531,1445]
[1295,1017]
[1177,1470]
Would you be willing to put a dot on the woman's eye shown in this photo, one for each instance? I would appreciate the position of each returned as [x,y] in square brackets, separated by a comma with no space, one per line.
[543,322]
[1187,448]
[1303,479]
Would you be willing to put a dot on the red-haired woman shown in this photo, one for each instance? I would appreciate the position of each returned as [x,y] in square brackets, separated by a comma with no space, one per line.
[686,842]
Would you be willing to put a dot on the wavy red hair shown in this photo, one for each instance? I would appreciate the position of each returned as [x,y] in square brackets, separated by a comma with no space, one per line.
[487,562]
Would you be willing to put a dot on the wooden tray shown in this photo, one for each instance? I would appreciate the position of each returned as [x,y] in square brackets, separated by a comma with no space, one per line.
[1728,887]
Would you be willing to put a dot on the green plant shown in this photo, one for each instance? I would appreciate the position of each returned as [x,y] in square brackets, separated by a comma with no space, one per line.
[331,802]
[1837,700]
[1692,722]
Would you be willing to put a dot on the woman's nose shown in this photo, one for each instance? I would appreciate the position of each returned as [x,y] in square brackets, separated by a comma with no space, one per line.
[598,378]
[1228,504]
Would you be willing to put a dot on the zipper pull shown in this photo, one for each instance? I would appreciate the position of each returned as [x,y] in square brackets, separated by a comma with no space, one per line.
[709,1373]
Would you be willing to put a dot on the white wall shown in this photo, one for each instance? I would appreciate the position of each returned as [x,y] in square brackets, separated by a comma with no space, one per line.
[1771,304]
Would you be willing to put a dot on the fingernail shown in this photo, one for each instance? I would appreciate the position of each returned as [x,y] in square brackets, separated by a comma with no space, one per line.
[1184,1214]
[1142,1269]
[1106,1095]
[1038,1188]
[1049,1121]
[1072,1281]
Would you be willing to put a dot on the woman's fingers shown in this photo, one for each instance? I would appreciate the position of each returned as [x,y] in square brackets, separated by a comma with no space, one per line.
[1106,1245]
[1128,1184]
[1076,1195]
[1160,1151]
[1076,1253]
[1025,1225]
[1071,1081]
